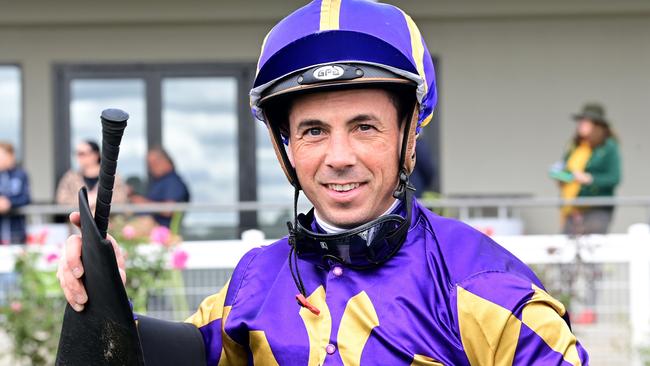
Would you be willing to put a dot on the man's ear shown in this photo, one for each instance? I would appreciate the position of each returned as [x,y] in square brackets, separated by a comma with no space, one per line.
[414,155]
[409,159]
[290,153]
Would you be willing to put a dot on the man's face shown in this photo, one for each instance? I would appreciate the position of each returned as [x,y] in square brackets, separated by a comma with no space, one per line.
[344,147]
[7,160]
[157,164]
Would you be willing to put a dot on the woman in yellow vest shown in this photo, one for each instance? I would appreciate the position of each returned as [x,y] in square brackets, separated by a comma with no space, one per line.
[594,162]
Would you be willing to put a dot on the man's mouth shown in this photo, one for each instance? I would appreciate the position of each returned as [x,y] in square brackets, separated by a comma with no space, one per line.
[343,187]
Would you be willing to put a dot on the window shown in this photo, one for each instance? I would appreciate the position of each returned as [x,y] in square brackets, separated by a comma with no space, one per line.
[198,112]
[199,130]
[272,186]
[88,97]
[11,106]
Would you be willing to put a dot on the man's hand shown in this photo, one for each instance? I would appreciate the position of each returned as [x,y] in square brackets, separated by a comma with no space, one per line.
[70,268]
[5,205]
[136,198]
[583,178]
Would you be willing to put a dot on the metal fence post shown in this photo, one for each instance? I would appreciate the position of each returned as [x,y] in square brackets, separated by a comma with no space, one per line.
[639,292]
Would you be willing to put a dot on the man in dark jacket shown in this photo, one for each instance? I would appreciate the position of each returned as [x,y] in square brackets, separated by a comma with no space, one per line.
[14,193]
[165,186]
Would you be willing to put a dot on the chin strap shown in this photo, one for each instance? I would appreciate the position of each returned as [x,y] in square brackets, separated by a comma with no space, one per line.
[301,297]
[402,186]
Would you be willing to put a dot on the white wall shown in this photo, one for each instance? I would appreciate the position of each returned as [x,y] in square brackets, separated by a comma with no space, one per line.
[38,49]
[511,74]
[508,88]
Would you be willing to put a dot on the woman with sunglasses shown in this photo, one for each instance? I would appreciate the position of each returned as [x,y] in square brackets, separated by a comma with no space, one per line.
[87,174]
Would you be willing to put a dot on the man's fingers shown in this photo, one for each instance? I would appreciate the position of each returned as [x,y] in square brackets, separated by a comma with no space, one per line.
[118,251]
[119,256]
[73,255]
[75,218]
[71,269]
[70,298]
[122,275]
[73,290]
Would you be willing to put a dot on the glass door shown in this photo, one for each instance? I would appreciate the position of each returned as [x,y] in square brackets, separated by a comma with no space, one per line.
[199,130]
[88,97]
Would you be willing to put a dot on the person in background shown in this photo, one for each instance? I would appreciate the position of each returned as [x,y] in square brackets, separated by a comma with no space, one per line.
[165,186]
[88,161]
[593,160]
[14,193]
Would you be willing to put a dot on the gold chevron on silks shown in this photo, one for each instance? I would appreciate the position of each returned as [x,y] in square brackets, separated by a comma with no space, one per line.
[420,360]
[262,354]
[319,327]
[232,353]
[498,328]
[359,319]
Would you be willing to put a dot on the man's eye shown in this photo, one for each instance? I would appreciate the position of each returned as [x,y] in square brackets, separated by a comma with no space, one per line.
[365,127]
[314,131]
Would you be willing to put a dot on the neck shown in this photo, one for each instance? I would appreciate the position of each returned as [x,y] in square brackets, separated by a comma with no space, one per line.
[164,173]
[333,229]
[91,171]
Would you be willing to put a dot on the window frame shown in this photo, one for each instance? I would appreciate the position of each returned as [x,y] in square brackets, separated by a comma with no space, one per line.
[152,74]
[19,150]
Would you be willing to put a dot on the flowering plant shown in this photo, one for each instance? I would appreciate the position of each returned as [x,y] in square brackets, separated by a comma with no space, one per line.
[32,313]
[150,252]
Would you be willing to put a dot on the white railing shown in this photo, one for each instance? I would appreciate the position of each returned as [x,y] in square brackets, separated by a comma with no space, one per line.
[504,204]
[622,305]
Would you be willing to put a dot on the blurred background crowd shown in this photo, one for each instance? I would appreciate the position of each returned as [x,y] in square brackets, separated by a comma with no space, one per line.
[590,167]
[511,78]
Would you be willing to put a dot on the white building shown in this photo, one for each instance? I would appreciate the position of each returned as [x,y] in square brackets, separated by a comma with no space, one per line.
[510,74]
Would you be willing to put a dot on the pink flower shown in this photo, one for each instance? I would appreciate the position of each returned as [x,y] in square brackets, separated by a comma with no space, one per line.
[16,306]
[179,259]
[51,258]
[160,235]
[128,232]
[39,238]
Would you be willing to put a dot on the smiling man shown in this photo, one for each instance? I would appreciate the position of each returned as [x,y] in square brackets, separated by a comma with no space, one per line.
[344,88]
[341,153]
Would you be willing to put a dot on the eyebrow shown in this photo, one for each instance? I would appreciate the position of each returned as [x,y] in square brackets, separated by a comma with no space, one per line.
[309,123]
[363,118]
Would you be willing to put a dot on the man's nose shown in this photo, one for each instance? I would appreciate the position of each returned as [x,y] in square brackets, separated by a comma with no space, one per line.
[340,152]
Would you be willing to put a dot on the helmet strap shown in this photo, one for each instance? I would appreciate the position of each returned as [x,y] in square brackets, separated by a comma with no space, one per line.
[281,154]
[406,163]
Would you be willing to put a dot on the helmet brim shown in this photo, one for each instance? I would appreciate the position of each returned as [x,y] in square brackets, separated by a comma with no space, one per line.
[367,76]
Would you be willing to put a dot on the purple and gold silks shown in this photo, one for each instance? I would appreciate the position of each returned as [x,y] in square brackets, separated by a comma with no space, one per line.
[451,296]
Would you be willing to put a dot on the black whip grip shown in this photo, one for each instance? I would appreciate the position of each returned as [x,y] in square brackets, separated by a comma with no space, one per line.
[113,125]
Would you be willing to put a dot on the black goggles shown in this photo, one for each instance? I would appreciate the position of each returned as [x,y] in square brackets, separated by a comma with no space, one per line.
[363,247]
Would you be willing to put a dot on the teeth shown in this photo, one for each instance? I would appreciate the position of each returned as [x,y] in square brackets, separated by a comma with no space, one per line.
[343,187]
